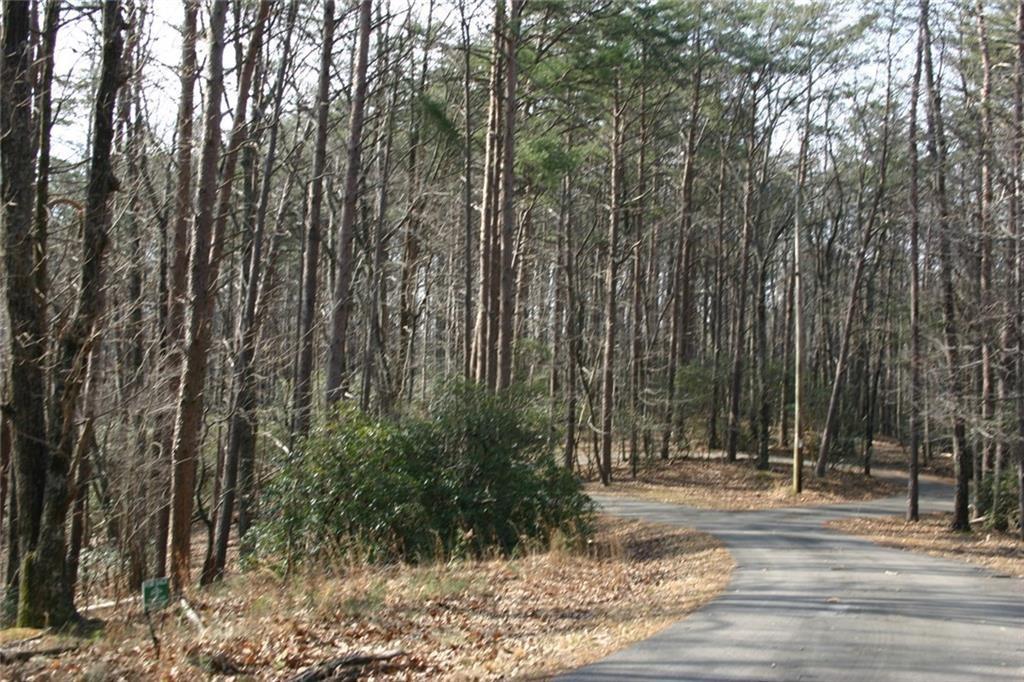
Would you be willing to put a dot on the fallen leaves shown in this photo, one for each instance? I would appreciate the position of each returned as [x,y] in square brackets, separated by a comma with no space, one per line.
[23,644]
[738,486]
[1001,552]
[525,617]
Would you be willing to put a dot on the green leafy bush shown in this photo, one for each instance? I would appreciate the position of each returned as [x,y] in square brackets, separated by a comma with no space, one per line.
[470,477]
[342,489]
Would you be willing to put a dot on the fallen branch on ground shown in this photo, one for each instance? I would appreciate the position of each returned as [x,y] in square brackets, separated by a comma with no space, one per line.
[330,668]
[13,656]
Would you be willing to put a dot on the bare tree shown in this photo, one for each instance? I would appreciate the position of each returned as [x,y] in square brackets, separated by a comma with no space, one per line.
[936,144]
[206,244]
[311,253]
[46,588]
[341,301]
[174,331]
[913,490]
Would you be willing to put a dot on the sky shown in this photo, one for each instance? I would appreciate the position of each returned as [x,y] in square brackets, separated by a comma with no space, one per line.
[78,52]
[75,62]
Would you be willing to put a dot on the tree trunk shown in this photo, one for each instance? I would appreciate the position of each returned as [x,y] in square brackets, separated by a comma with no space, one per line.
[1015,294]
[483,340]
[610,303]
[174,333]
[913,488]
[25,302]
[984,463]
[636,347]
[467,199]
[937,152]
[763,408]
[677,301]
[206,243]
[46,596]
[506,328]
[27,325]
[311,254]
[739,325]
[341,302]
[798,311]
[718,311]
[242,420]
[571,326]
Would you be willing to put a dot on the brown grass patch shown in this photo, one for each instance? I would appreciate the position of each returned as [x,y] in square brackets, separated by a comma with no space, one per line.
[888,454]
[1001,552]
[739,486]
[522,617]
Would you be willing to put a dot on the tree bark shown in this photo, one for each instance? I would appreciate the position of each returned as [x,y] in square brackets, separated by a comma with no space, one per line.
[1016,302]
[302,397]
[984,462]
[506,328]
[610,302]
[25,302]
[467,198]
[913,487]
[571,325]
[341,301]
[937,152]
[739,325]
[678,302]
[46,595]
[485,340]
[206,244]
[174,333]
[798,311]
[242,420]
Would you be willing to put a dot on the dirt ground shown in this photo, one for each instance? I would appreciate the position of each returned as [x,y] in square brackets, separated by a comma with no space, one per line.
[523,617]
[1001,552]
[712,483]
[888,454]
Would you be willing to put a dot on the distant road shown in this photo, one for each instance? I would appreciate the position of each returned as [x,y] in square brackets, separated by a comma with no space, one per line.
[806,603]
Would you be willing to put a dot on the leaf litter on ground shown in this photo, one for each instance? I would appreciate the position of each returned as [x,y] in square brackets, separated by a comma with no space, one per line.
[1001,552]
[713,483]
[528,616]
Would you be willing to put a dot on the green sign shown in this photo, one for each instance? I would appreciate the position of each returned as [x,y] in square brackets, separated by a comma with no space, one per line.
[156,594]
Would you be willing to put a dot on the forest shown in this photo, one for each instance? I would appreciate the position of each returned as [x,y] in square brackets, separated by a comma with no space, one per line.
[286,281]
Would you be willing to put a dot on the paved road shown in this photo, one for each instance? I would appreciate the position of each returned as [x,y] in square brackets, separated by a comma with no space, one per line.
[806,603]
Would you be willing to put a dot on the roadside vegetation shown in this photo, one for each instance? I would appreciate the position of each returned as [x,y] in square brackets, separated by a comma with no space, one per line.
[714,483]
[532,615]
[998,550]
[469,474]
[317,299]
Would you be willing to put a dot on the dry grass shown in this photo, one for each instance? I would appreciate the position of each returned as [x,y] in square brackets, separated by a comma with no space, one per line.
[889,454]
[524,617]
[1000,552]
[717,484]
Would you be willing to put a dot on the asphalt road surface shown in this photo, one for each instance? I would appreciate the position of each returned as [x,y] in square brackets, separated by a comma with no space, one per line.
[807,603]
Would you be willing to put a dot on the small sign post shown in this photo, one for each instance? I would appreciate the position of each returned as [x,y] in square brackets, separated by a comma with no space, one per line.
[156,596]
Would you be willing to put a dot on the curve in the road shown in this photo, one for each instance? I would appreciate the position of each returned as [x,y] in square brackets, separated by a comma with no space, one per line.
[807,603]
